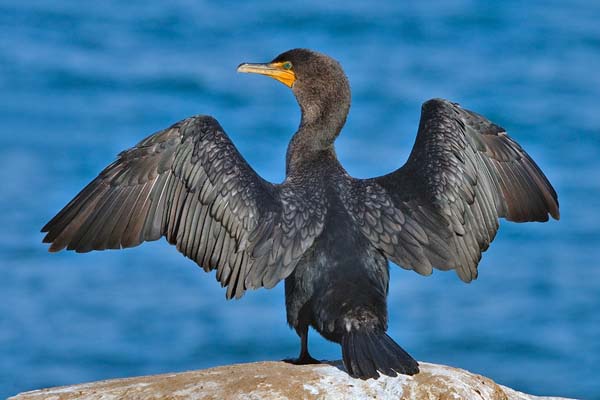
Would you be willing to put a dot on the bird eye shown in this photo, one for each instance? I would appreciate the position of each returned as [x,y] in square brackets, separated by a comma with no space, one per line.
[287,65]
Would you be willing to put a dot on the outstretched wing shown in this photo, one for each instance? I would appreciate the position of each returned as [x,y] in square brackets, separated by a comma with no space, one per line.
[190,184]
[441,209]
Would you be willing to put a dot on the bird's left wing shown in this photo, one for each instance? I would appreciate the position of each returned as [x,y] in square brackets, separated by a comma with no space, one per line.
[441,209]
[190,184]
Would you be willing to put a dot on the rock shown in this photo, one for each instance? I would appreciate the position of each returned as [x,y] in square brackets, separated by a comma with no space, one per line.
[278,380]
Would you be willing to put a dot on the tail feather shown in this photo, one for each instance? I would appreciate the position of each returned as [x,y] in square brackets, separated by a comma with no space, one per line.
[366,352]
[364,362]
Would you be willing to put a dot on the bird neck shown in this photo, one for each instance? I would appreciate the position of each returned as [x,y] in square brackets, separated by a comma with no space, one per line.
[311,144]
[324,113]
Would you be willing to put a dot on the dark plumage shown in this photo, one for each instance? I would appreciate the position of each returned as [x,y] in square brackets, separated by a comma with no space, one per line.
[326,233]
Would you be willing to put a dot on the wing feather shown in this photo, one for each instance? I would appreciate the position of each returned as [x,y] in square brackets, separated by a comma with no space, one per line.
[190,184]
[463,174]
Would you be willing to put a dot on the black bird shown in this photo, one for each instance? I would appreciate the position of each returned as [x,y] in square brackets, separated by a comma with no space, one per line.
[329,235]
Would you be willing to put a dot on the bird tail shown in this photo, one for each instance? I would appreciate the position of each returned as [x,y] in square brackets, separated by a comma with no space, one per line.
[366,352]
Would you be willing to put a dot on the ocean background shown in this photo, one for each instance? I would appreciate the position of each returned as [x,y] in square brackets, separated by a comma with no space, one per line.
[81,81]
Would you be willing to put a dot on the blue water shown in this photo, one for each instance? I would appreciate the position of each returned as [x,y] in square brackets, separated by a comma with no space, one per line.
[81,81]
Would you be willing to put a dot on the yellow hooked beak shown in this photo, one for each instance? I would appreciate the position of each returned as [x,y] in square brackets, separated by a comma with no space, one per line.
[274,70]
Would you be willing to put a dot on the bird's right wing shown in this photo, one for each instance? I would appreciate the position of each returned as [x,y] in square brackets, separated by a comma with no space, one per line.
[190,184]
[441,209]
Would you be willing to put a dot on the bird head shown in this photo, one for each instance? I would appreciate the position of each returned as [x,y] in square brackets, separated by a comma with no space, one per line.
[317,80]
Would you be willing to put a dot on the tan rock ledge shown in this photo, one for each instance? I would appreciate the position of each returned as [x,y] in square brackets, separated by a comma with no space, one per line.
[278,380]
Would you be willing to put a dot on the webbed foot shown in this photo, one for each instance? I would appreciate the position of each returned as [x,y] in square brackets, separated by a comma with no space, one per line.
[302,360]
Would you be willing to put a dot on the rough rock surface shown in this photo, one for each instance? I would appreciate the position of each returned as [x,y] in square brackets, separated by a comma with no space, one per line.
[278,380]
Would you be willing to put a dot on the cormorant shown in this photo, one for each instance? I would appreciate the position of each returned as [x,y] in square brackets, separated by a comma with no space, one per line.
[329,235]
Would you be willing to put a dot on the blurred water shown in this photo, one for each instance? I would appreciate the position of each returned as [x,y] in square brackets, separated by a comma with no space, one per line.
[81,82]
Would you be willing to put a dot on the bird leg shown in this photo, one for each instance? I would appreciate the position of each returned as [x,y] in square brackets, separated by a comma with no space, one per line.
[304,357]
